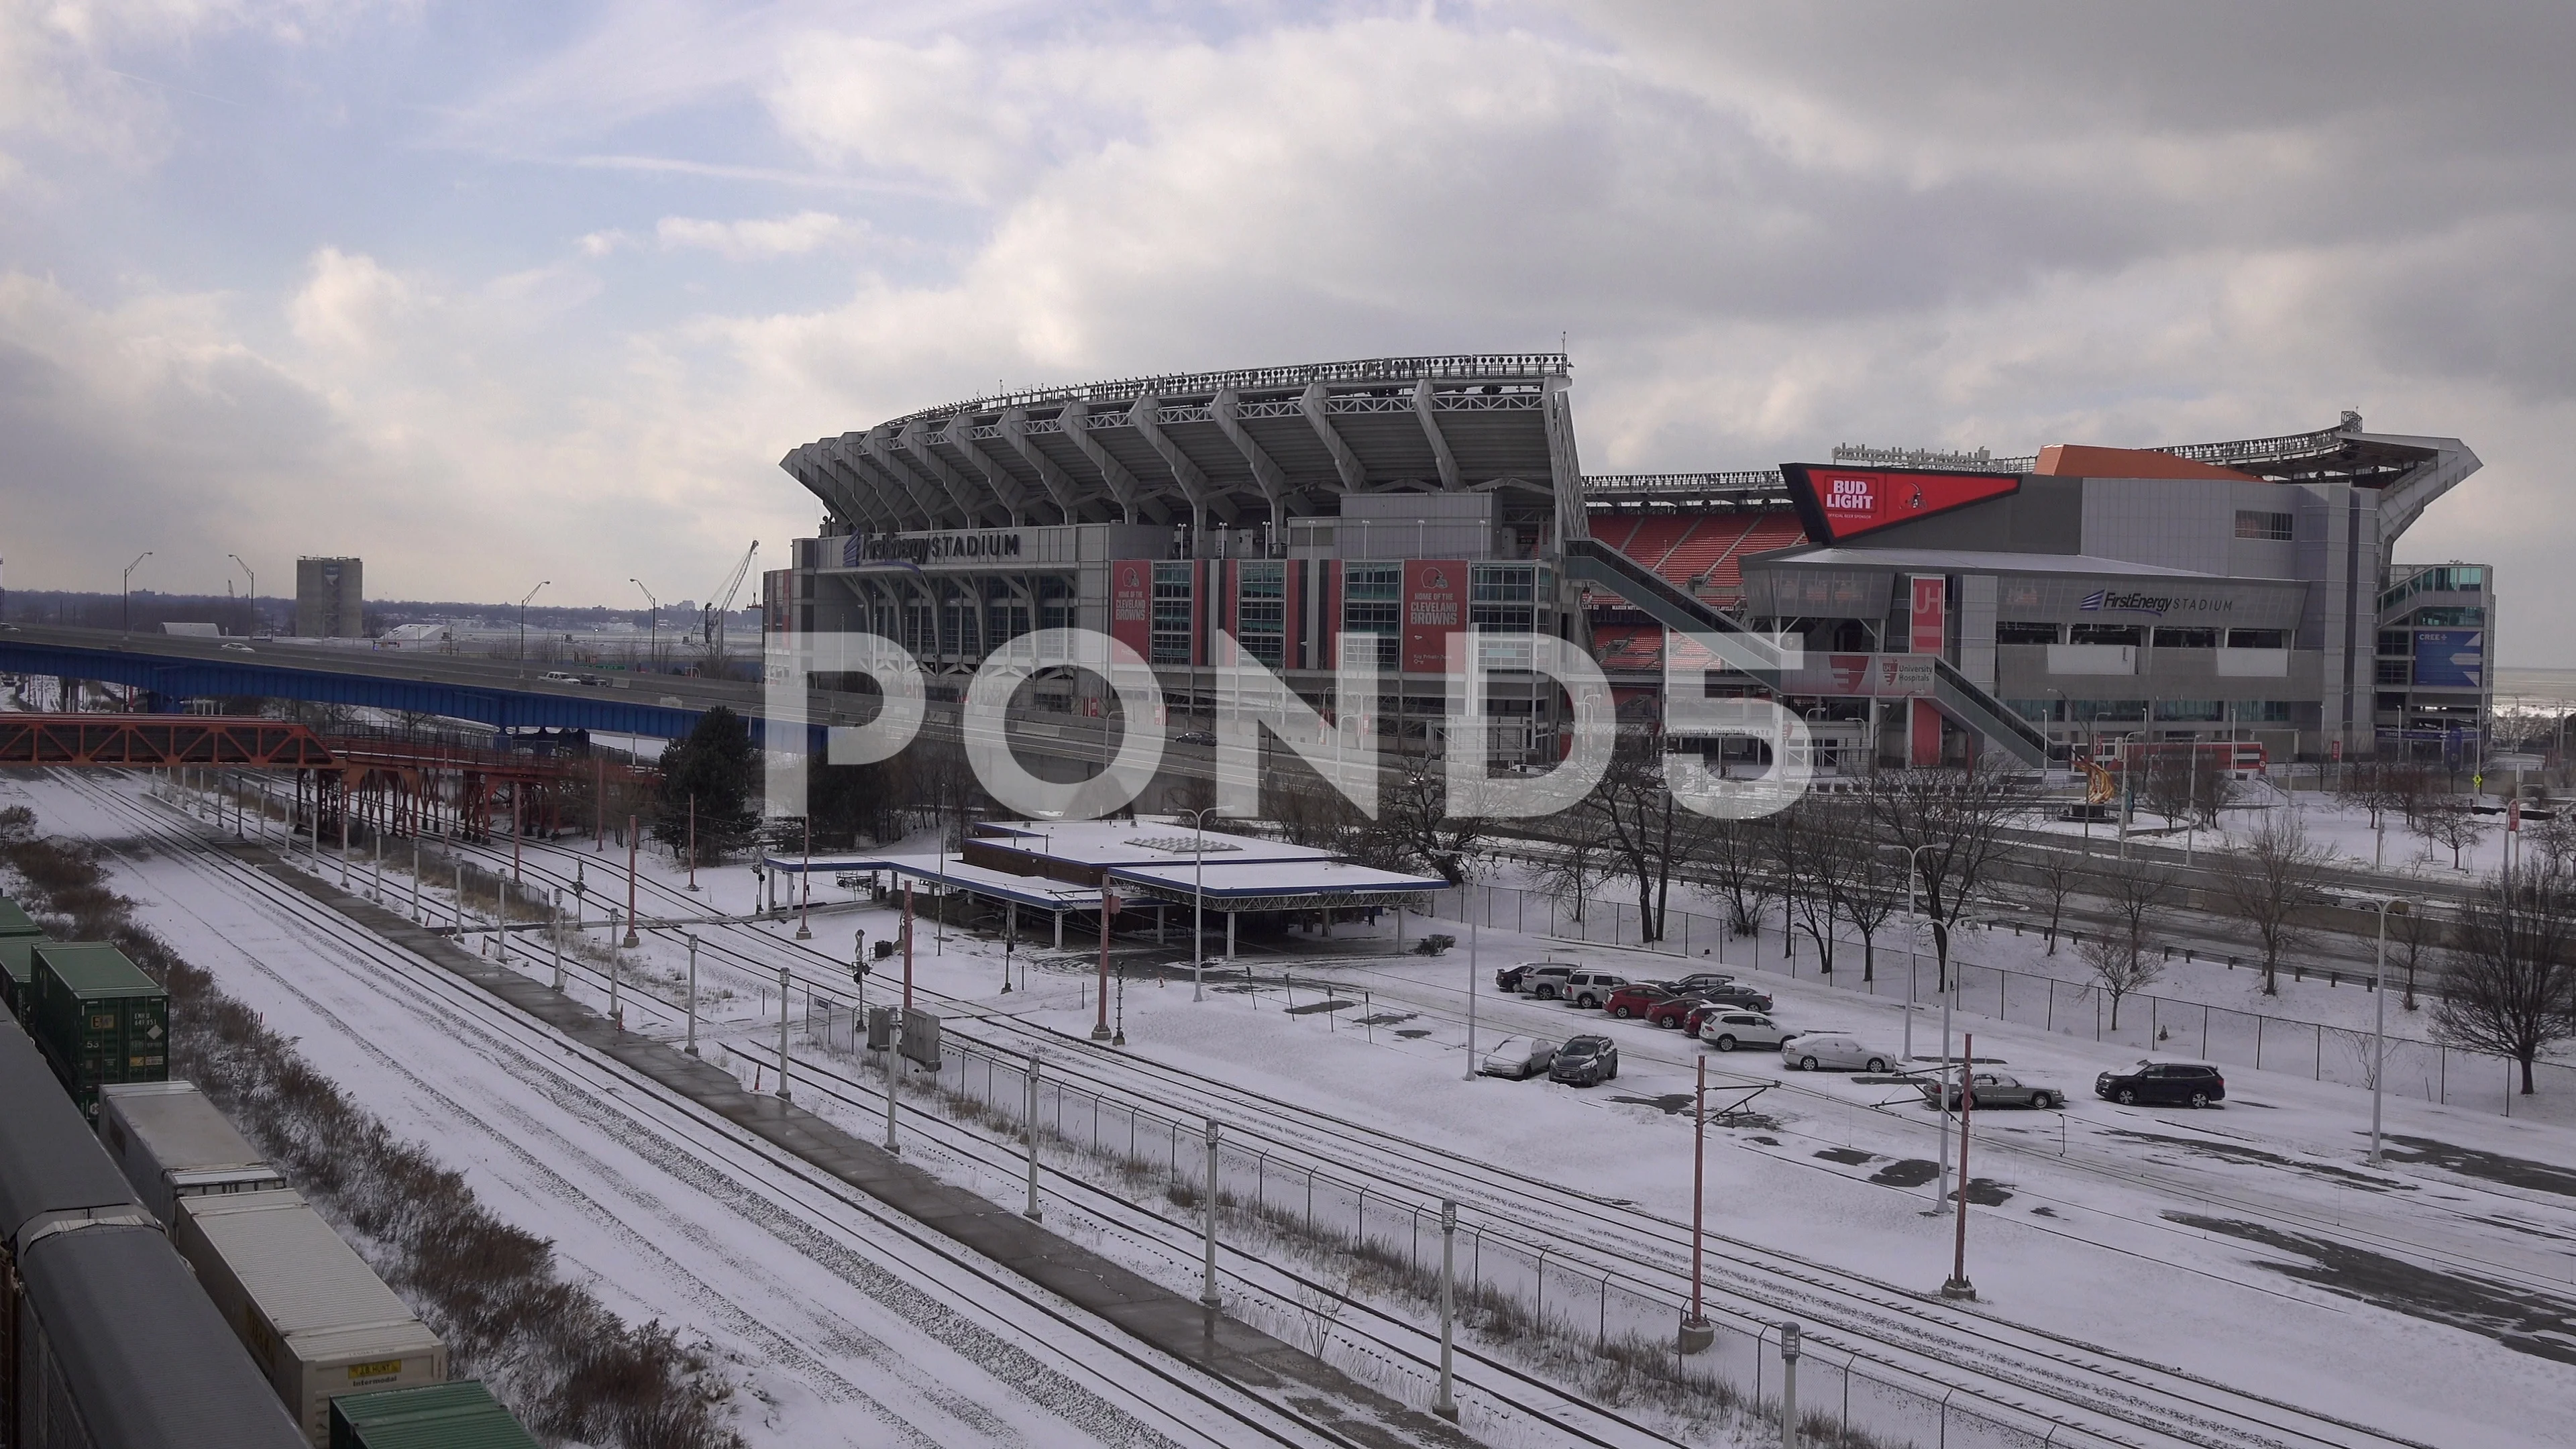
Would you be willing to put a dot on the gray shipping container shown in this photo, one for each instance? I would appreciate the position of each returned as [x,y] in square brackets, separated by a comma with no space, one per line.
[316,1318]
[171,1143]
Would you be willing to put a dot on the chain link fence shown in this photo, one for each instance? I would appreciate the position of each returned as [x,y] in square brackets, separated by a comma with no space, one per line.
[2144,1021]
[1525,1293]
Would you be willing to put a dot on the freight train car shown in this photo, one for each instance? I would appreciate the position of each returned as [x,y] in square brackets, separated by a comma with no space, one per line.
[171,1143]
[98,1018]
[106,1342]
[313,1314]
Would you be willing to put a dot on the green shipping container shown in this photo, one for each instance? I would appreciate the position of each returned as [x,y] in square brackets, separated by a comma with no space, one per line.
[17,964]
[461,1415]
[98,1018]
[14,922]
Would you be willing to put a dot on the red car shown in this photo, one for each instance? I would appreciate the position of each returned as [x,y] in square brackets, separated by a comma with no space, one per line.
[1637,998]
[1676,1009]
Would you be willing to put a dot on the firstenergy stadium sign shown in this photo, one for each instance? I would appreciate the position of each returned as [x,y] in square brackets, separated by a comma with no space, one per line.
[960,546]
[1836,503]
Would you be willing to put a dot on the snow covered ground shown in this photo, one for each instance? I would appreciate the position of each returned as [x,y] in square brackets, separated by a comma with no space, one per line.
[2433,1298]
[841,1330]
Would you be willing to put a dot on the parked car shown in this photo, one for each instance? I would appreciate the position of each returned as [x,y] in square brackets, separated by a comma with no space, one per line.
[1589,989]
[1834,1051]
[1676,1009]
[1546,979]
[1518,1057]
[1738,994]
[1516,978]
[1585,1061]
[2193,1084]
[1637,998]
[1727,1029]
[1700,981]
[1994,1089]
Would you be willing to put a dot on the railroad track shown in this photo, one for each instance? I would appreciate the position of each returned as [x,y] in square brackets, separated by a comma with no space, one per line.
[2080,1387]
[974,1308]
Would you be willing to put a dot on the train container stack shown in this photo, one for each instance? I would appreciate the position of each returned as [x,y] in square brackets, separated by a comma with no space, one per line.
[461,1415]
[97,1017]
[171,1143]
[316,1319]
[105,1340]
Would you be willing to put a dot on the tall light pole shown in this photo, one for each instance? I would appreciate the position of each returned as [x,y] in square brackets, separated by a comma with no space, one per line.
[128,588]
[1198,905]
[1913,924]
[652,625]
[254,590]
[523,619]
[2378,1006]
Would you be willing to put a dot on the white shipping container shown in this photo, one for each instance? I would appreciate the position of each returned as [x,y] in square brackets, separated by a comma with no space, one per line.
[171,1143]
[315,1317]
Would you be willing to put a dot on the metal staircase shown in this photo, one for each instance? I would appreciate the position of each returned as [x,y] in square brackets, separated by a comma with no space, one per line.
[1594,562]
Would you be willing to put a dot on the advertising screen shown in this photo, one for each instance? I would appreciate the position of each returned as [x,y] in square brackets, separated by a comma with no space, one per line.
[1840,503]
[2450,658]
[1435,607]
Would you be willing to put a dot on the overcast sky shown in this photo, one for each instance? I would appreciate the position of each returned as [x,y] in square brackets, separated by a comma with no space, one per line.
[489,294]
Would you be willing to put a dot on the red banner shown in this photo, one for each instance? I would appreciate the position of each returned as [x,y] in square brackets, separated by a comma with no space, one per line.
[1847,502]
[1927,614]
[1435,607]
[1131,605]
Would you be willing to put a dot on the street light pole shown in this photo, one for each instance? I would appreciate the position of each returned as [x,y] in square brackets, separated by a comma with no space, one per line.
[523,621]
[128,587]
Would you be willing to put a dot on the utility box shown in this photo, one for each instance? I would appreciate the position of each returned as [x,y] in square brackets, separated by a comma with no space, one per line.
[171,1143]
[921,1039]
[97,1017]
[316,1318]
[880,1028]
[17,967]
[461,1415]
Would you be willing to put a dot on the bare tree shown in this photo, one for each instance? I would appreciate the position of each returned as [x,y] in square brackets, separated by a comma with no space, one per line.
[1952,822]
[1819,849]
[1414,830]
[1646,828]
[2125,955]
[1871,899]
[2448,820]
[1736,856]
[1583,858]
[2509,977]
[2552,837]
[2053,877]
[2417,931]
[2268,881]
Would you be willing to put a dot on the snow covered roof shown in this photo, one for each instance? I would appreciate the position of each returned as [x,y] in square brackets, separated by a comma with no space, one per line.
[948,870]
[1145,840]
[1283,885]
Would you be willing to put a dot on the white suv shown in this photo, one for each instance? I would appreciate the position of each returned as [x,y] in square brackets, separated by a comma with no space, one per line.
[1727,1029]
[1588,989]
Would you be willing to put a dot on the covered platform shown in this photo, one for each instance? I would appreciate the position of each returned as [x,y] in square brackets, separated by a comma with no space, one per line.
[1062,868]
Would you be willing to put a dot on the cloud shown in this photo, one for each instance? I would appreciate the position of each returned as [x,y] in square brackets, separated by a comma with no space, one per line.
[785,236]
[1762,231]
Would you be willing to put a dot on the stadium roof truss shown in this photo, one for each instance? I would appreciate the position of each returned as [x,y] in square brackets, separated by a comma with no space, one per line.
[1223,447]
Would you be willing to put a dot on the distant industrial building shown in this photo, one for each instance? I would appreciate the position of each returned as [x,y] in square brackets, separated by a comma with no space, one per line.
[330,598]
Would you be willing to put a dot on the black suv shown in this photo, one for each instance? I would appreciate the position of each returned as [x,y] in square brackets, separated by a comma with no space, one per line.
[2187,1084]
[1585,1061]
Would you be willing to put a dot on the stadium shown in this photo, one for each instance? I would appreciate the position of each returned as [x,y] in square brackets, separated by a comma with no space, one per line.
[1949,603]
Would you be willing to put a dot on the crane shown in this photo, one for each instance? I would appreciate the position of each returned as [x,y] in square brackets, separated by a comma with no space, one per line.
[712,626]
